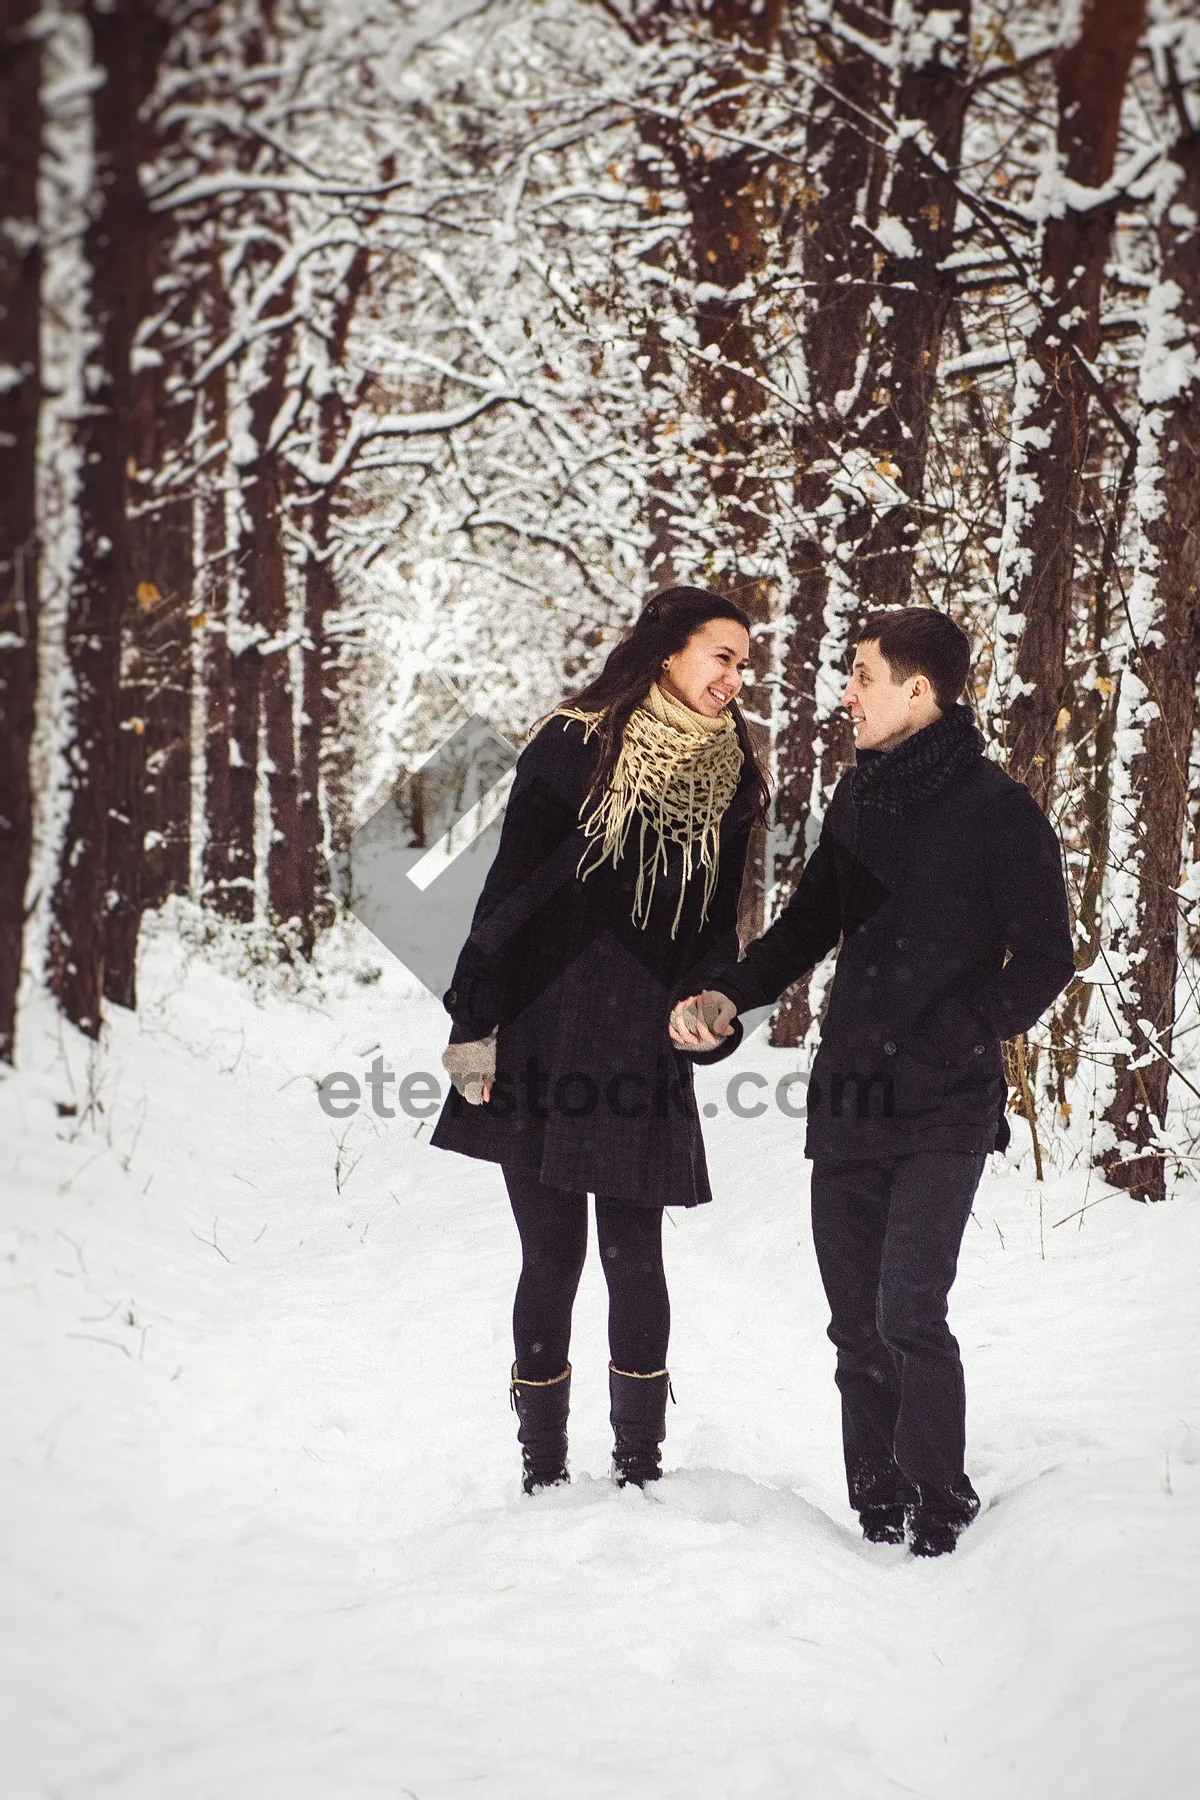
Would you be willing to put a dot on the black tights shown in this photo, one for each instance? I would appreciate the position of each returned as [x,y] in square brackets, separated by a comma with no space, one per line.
[553,1225]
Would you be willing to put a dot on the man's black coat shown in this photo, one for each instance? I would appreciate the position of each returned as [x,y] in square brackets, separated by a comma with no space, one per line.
[589,1089]
[932,865]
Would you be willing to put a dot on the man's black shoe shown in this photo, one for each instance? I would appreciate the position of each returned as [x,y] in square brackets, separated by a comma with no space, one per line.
[883,1524]
[933,1534]
[937,1517]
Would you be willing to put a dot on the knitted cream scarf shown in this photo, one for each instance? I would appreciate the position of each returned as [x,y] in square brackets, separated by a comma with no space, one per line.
[677,771]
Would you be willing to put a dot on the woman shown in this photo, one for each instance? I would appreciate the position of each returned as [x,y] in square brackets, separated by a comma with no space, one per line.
[615,885]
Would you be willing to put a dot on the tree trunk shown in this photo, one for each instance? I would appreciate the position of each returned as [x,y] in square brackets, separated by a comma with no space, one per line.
[734,194]
[169,645]
[916,293]
[217,866]
[732,204]
[256,604]
[260,685]
[319,660]
[731,198]
[875,233]
[235,893]
[126,41]
[1157,697]
[150,819]
[1095,711]
[1053,398]
[265,568]
[20,395]
[320,710]
[844,169]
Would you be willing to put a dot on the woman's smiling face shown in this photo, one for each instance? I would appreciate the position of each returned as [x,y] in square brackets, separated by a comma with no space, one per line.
[707,673]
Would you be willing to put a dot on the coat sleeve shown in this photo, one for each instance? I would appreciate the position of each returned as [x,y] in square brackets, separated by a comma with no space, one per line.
[1023,865]
[538,850]
[807,929]
[720,946]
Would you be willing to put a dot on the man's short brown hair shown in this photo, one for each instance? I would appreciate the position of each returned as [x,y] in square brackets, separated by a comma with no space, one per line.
[918,640]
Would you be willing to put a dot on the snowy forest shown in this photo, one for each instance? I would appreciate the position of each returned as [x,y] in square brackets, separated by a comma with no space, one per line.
[365,366]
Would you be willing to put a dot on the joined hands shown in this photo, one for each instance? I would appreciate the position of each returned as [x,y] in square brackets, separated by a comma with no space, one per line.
[702,1020]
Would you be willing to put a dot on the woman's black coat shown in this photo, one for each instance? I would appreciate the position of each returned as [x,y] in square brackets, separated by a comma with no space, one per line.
[589,1089]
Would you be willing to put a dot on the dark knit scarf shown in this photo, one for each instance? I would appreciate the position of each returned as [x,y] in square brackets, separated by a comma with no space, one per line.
[894,781]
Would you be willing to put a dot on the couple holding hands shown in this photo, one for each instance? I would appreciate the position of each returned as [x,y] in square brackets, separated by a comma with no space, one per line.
[604,961]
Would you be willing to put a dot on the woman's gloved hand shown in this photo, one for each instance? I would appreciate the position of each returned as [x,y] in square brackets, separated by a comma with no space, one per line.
[472,1068]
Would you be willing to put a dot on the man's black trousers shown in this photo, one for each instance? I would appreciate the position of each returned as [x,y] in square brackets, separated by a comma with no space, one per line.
[887,1238]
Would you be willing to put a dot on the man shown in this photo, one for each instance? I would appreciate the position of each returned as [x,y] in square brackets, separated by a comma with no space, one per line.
[943,881]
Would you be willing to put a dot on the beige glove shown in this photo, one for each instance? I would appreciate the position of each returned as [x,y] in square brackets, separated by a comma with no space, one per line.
[472,1068]
[700,1022]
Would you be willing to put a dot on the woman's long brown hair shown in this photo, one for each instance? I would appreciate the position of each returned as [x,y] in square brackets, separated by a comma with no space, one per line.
[661,629]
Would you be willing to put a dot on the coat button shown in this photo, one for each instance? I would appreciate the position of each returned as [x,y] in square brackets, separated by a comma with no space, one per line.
[979,1049]
[902,943]
[872,968]
[450,996]
[889,1049]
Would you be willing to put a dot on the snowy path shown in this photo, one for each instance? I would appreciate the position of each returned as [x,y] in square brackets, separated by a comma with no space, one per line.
[263,1529]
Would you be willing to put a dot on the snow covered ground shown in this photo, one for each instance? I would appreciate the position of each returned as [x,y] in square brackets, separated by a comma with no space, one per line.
[259,1478]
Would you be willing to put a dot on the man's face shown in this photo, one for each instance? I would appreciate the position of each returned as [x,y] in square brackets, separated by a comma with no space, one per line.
[885,710]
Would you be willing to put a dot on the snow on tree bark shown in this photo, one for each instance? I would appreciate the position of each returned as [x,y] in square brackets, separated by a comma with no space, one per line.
[1157,700]
[150,820]
[1053,398]
[319,711]
[265,593]
[216,537]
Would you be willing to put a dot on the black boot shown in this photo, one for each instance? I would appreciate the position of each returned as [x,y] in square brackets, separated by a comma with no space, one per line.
[882,1524]
[541,1408]
[938,1518]
[639,1421]
[933,1534]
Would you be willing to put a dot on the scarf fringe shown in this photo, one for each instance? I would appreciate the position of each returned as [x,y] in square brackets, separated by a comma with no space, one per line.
[677,771]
